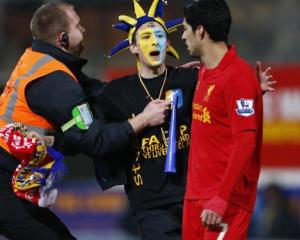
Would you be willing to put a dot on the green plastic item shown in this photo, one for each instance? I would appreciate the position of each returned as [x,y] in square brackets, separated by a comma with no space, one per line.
[82,118]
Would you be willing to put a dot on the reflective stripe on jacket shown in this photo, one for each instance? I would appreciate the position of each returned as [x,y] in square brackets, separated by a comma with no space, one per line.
[13,105]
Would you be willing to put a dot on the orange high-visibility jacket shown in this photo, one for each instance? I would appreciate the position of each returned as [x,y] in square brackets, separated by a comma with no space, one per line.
[13,105]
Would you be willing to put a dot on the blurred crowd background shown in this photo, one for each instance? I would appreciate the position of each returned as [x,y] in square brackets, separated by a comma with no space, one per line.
[265,30]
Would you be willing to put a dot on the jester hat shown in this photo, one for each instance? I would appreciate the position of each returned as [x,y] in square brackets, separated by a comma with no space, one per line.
[130,25]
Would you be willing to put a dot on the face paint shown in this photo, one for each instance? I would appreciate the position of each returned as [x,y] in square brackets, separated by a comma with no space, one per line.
[152,43]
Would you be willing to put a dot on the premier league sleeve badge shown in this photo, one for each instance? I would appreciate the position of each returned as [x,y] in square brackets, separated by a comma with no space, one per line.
[245,107]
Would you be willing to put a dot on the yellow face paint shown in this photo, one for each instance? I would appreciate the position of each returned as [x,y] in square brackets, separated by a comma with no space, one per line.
[152,42]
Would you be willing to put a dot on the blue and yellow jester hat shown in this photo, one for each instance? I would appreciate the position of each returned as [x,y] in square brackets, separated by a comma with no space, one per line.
[130,25]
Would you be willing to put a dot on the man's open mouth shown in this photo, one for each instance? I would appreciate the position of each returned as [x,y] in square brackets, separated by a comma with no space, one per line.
[154,53]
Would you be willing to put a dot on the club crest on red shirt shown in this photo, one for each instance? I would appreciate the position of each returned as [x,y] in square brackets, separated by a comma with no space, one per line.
[209,91]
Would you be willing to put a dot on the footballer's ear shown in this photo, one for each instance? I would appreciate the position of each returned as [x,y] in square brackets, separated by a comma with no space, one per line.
[133,49]
[200,32]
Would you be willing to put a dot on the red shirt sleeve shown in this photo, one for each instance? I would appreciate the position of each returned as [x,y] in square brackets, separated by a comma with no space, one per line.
[240,95]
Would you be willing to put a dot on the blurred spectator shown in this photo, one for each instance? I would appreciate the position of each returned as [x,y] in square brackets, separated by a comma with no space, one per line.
[128,224]
[277,219]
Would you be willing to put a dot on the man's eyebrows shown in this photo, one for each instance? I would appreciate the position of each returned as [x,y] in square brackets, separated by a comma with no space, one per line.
[146,33]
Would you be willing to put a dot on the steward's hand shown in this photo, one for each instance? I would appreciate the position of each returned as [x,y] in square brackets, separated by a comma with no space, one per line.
[156,112]
[48,140]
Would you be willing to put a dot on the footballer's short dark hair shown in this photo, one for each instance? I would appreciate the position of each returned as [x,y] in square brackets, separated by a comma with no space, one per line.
[213,15]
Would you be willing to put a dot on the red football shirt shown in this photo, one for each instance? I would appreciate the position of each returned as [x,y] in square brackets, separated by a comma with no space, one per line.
[226,135]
